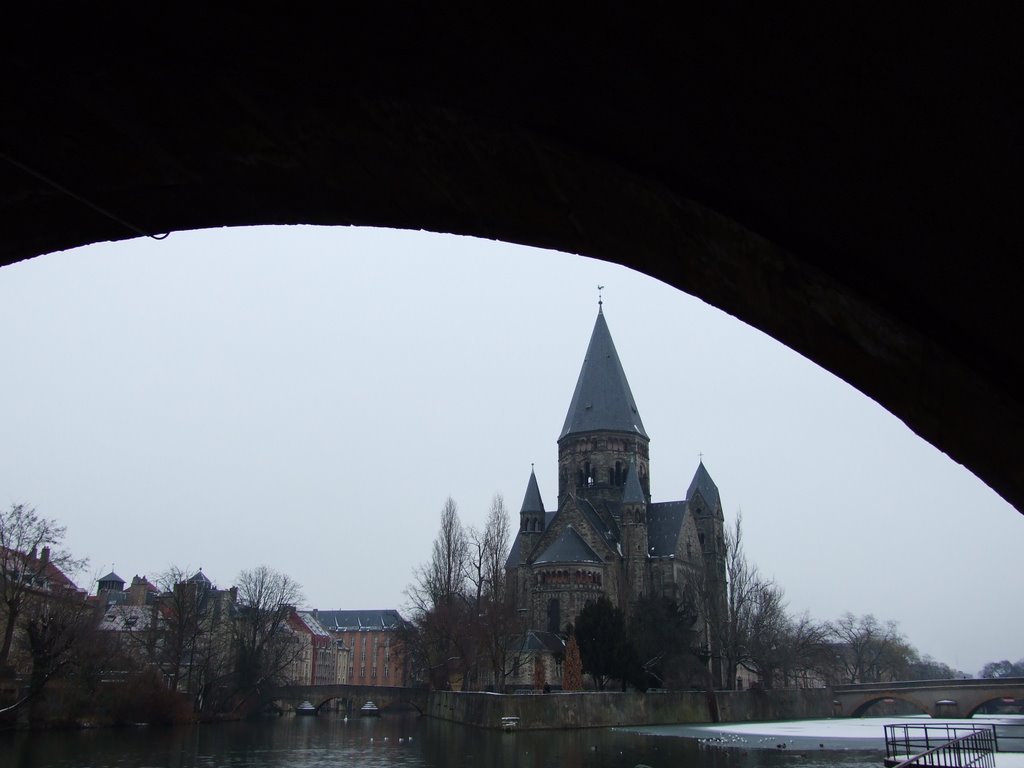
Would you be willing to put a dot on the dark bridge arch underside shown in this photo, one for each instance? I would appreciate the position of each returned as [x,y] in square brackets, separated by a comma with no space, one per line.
[838,183]
[863,709]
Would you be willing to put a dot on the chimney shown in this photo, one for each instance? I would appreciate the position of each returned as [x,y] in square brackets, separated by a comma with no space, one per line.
[44,558]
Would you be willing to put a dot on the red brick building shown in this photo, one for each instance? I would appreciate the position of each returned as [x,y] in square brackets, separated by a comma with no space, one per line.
[372,639]
[317,660]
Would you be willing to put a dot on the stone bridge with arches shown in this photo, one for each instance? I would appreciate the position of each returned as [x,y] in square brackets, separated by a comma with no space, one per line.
[938,698]
[348,698]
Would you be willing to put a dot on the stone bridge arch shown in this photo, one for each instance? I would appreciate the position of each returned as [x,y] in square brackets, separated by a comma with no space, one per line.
[937,698]
[802,193]
[287,698]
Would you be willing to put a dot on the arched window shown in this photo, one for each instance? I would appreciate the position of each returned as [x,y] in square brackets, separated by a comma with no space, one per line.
[554,615]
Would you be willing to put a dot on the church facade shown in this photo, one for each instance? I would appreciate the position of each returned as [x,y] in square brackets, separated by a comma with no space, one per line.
[605,536]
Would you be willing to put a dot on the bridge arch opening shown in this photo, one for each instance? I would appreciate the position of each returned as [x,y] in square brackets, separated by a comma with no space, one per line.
[895,706]
[997,705]
[507,264]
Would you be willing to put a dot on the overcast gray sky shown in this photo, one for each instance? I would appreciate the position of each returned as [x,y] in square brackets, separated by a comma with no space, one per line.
[308,397]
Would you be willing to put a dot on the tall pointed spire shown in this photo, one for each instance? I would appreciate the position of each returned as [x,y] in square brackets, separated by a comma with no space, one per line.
[602,400]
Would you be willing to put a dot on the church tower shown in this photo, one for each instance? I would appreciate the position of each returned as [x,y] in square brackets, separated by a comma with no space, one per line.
[606,537]
[603,430]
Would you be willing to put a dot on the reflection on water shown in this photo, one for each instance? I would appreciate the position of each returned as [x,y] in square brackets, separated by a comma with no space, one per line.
[392,741]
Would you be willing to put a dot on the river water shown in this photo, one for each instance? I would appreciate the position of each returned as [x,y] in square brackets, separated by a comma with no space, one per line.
[397,741]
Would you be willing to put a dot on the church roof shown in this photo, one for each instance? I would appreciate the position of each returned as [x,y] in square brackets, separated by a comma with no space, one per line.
[703,483]
[633,493]
[111,577]
[568,548]
[664,521]
[534,640]
[532,502]
[602,400]
[513,554]
[603,525]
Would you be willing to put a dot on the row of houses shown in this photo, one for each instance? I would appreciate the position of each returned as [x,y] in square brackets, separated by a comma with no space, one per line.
[352,647]
[143,622]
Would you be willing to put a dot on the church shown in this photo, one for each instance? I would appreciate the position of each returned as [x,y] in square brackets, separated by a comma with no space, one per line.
[605,535]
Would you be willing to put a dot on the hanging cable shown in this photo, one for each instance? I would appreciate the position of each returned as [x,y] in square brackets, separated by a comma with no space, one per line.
[64,190]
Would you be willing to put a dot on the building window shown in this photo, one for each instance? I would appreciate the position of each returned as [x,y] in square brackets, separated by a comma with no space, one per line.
[554,615]
[385,672]
[373,672]
[362,672]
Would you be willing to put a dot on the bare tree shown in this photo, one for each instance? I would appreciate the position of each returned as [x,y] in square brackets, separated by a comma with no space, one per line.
[730,634]
[30,563]
[444,577]
[56,630]
[807,651]
[264,644]
[497,619]
[440,633]
[754,628]
[182,637]
[767,627]
[866,650]
[486,552]
[59,637]
[1004,668]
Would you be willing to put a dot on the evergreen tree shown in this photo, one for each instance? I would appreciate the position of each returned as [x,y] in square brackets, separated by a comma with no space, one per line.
[605,649]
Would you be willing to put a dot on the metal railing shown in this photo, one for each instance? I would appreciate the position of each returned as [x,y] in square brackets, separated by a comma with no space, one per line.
[1009,736]
[941,745]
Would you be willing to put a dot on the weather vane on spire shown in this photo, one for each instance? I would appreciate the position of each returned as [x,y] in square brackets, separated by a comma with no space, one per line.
[599,301]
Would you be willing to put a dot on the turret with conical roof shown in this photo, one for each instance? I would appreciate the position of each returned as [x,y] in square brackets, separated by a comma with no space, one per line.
[704,504]
[602,428]
[531,516]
